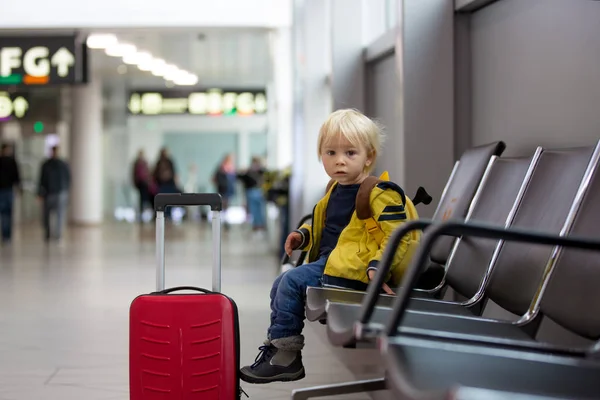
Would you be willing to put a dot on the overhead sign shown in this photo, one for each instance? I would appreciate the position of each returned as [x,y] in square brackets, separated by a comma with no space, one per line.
[42,60]
[13,106]
[195,102]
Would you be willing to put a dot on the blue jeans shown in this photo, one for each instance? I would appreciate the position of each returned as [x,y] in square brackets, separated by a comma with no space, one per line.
[6,211]
[288,298]
[256,207]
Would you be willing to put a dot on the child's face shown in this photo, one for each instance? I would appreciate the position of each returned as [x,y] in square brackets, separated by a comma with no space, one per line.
[344,161]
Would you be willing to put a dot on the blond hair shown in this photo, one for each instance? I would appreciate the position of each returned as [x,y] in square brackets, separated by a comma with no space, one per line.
[357,128]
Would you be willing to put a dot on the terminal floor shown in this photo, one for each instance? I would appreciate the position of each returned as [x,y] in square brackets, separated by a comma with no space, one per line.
[64,308]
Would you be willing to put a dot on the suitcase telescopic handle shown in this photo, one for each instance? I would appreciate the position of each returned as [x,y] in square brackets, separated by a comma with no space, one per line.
[161,201]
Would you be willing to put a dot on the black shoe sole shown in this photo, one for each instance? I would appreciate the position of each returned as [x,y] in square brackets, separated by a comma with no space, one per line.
[278,378]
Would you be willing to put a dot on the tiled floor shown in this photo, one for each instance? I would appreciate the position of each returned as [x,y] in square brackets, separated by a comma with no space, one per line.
[64,308]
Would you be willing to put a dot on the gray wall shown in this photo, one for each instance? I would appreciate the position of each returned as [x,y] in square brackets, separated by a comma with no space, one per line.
[347,75]
[536,74]
[462,84]
[428,64]
[382,105]
[412,93]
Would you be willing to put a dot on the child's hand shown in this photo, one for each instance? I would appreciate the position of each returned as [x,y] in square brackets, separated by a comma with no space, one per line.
[385,287]
[293,241]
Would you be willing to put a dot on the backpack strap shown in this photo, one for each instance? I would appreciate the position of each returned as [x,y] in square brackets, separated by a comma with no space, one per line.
[363,208]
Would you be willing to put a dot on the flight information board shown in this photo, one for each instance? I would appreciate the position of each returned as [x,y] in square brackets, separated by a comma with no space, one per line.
[42,60]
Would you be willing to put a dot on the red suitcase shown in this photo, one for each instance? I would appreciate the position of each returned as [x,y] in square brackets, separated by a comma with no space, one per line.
[184,346]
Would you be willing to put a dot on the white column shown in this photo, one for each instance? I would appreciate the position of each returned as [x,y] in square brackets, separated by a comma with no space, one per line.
[63,128]
[284,86]
[312,102]
[86,154]
[243,156]
[272,118]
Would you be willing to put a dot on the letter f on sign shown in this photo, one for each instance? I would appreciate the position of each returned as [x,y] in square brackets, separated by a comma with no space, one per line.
[10,57]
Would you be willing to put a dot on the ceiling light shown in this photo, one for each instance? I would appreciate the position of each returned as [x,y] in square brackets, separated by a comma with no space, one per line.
[173,73]
[158,63]
[170,72]
[171,69]
[181,74]
[145,67]
[101,40]
[143,59]
[137,58]
[157,66]
[130,59]
[186,80]
[158,69]
[120,50]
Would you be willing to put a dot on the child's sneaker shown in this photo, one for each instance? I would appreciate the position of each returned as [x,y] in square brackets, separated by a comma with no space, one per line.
[274,365]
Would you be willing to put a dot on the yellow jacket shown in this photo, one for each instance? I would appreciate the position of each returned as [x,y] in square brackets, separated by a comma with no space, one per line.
[356,248]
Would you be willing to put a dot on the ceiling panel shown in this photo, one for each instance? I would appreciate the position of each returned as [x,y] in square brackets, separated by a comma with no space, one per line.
[218,57]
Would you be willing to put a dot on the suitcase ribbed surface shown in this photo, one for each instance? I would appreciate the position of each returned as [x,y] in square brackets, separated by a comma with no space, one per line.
[183,347]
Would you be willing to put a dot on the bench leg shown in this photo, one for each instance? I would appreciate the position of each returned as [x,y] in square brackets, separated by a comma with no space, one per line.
[370,385]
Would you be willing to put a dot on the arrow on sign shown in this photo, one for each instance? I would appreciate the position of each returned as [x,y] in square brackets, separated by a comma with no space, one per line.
[20,105]
[62,60]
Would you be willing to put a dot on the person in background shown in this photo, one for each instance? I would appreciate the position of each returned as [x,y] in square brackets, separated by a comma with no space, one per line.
[165,176]
[278,193]
[141,181]
[9,180]
[224,179]
[53,191]
[253,179]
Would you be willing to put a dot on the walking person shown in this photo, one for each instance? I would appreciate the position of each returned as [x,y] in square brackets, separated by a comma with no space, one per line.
[165,176]
[9,180]
[53,191]
[141,181]
[224,179]
[253,180]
